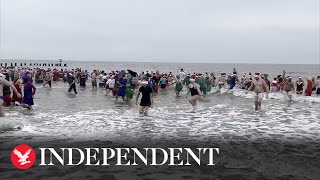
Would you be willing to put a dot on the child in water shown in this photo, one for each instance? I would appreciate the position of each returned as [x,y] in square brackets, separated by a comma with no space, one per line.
[28,92]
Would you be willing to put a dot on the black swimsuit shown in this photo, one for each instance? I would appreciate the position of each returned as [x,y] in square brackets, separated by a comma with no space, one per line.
[194,91]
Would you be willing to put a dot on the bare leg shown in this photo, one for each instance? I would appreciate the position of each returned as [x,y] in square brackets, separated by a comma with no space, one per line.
[146,111]
[141,110]
[193,102]
[1,109]
[256,104]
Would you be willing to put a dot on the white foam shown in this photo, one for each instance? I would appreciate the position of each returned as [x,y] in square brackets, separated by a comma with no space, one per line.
[279,96]
[7,124]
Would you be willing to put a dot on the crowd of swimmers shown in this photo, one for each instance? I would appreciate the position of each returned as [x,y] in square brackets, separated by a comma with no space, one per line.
[16,84]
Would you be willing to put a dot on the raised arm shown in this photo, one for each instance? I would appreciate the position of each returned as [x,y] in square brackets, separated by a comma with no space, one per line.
[5,82]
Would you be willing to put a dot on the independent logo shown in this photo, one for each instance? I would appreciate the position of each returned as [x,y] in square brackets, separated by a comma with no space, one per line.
[23,156]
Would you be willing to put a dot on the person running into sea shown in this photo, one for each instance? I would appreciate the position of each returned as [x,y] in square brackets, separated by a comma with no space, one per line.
[179,85]
[83,79]
[122,87]
[222,81]
[318,86]
[233,80]
[169,79]
[313,84]
[72,83]
[94,79]
[299,86]
[155,82]
[288,87]
[274,85]
[110,84]
[102,81]
[265,78]
[3,81]
[163,82]
[28,92]
[259,86]
[308,88]
[129,92]
[182,75]
[208,83]
[213,79]
[47,79]
[15,99]
[194,89]
[146,99]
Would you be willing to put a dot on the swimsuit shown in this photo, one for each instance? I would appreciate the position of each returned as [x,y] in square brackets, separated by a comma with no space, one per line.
[299,87]
[194,91]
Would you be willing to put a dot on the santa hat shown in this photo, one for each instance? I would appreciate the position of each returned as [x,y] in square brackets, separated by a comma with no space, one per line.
[256,74]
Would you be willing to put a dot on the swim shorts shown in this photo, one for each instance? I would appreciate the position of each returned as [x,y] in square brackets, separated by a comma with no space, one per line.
[258,97]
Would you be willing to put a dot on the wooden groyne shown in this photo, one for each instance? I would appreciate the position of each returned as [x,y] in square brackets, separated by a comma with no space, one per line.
[32,64]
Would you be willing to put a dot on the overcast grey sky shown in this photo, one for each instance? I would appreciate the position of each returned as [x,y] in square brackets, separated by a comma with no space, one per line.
[221,31]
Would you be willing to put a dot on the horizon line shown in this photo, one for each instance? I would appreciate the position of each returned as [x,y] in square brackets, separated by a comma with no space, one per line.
[70,60]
